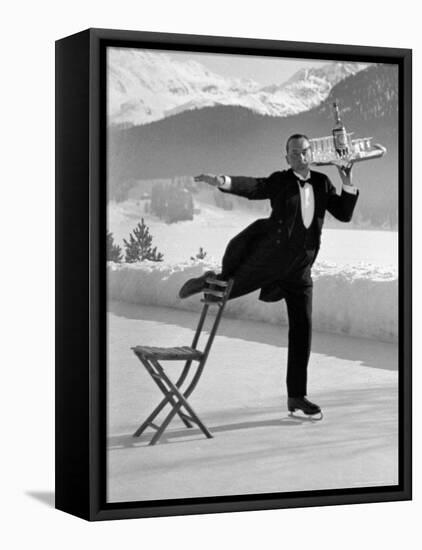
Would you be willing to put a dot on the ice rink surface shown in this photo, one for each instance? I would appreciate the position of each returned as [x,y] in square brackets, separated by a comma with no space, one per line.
[256,448]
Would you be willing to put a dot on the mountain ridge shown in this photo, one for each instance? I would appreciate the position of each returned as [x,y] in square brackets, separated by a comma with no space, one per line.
[146,86]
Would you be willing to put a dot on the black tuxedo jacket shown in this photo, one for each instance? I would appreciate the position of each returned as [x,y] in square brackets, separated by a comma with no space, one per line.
[282,190]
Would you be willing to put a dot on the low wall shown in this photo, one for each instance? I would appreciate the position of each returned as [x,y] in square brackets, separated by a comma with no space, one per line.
[358,301]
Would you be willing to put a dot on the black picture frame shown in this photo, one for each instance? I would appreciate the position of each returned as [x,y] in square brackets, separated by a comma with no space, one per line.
[81,275]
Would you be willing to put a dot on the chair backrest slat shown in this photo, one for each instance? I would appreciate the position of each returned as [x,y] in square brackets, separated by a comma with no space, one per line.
[217,298]
[220,302]
[200,326]
[217,282]
[212,297]
[212,292]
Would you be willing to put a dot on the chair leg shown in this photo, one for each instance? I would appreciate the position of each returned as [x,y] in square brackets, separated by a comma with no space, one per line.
[167,399]
[165,423]
[181,403]
[148,421]
[156,412]
[172,414]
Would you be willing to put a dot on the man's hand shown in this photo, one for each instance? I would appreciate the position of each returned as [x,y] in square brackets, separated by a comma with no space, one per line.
[215,181]
[345,172]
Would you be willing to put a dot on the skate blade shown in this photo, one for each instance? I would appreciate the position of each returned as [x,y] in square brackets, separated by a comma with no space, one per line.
[315,417]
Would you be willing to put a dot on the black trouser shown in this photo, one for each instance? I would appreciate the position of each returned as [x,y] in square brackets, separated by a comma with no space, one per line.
[299,311]
[291,271]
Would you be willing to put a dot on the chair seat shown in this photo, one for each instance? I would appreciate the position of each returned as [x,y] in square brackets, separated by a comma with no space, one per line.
[183,353]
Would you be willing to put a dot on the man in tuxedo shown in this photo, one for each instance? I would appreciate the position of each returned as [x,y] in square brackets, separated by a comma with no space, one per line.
[276,254]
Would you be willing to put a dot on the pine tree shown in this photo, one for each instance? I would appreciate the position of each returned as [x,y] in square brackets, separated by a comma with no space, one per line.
[132,253]
[139,247]
[114,251]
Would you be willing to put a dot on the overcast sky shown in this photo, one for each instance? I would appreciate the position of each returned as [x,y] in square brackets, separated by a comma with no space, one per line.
[265,70]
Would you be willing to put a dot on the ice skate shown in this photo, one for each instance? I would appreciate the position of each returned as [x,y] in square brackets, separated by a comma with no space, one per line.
[304,405]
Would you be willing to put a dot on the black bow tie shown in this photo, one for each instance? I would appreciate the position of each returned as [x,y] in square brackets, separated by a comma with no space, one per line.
[302,182]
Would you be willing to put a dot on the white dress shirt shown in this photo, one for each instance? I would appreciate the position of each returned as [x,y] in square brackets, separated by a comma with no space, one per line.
[307,199]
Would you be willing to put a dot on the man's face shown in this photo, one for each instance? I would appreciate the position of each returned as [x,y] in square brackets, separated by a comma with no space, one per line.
[299,154]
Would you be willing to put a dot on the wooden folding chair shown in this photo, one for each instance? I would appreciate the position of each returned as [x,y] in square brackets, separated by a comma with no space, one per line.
[176,394]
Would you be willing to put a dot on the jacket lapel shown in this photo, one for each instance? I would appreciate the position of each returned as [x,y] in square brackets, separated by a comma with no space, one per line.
[318,197]
[292,200]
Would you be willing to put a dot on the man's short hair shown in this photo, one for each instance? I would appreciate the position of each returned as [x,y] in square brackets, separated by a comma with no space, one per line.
[295,136]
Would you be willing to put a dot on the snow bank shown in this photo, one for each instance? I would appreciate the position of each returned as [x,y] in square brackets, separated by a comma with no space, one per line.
[358,300]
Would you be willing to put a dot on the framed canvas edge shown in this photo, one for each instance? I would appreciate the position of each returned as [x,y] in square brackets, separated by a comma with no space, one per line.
[72,367]
[98,508]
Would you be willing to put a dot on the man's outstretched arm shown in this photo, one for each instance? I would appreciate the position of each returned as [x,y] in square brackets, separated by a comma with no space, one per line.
[215,181]
[250,188]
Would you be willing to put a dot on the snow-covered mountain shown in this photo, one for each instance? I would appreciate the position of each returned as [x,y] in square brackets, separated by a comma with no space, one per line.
[145,86]
[312,86]
[229,139]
